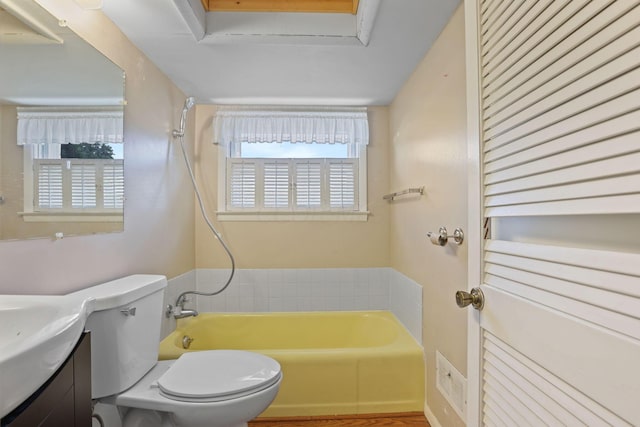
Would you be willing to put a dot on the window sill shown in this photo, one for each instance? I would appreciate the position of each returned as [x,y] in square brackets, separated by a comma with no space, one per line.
[71,217]
[292,216]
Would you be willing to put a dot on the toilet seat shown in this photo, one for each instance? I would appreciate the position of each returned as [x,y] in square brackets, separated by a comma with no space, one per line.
[218,375]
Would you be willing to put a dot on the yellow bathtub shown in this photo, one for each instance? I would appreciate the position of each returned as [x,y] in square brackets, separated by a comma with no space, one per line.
[333,362]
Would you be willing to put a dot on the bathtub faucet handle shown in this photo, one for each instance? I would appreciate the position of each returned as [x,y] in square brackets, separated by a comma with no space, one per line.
[179,312]
[181,301]
[186,341]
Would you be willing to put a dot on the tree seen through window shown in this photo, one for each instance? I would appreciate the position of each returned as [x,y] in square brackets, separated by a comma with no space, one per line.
[86,150]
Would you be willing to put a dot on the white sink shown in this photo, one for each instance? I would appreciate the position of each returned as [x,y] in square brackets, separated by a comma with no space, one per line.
[37,334]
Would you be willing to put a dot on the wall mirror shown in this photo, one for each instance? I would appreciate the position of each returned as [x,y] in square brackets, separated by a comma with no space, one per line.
[61,129]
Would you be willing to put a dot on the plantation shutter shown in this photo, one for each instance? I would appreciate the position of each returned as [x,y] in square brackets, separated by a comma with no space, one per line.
[113,186]
[308,184]
[78,184]
[241,182]
[292,184]
[83,185]
[276,184]
[560,136]
[49,192]
[343,193]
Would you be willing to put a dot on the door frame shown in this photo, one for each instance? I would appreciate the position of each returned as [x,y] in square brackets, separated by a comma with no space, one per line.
[475,217]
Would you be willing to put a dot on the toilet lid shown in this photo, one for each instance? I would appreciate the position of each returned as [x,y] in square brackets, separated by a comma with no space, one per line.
[218,375]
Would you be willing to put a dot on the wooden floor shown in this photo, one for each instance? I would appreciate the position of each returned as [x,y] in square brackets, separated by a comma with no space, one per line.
[414,419]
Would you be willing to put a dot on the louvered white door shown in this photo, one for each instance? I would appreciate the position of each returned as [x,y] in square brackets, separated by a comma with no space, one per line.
[554,131]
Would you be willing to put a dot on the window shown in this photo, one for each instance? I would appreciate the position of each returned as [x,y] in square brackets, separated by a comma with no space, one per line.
[66,177]
[286,164]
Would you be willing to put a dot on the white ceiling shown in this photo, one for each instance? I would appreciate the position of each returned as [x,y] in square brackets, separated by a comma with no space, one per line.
[259,70]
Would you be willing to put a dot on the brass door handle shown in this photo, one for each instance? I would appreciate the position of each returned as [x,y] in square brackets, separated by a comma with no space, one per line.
[475,298]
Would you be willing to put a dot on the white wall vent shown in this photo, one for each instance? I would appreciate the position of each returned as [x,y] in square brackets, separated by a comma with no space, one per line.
[452,385]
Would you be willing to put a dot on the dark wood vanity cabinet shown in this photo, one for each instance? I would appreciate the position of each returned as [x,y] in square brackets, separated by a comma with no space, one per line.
[64,400]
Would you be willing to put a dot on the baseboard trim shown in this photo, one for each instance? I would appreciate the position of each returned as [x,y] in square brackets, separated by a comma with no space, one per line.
[340,417]
[429,415]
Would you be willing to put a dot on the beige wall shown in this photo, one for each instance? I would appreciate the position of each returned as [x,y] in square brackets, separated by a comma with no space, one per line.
[428,147]
[158,236]
[296,244]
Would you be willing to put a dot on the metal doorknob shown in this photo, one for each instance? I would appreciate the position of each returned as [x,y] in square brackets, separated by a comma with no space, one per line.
[475,298]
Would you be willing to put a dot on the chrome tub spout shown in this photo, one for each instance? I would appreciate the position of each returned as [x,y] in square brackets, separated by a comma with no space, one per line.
[182,313]
[179,312]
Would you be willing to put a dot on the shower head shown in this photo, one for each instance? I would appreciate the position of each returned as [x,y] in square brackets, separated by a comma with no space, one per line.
[188,104]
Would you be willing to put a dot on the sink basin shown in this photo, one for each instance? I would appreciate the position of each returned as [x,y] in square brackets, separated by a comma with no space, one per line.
[37,334]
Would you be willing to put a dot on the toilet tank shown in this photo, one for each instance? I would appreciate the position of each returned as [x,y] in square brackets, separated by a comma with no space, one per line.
[125,331]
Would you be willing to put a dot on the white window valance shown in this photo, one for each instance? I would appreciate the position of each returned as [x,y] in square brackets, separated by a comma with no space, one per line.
[335,126]
[53,125]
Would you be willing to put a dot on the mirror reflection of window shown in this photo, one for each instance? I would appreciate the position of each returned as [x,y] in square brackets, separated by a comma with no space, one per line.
[73,160]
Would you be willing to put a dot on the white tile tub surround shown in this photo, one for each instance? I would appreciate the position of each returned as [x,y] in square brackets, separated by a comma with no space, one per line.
[274,290]
[405,302]
[267,290]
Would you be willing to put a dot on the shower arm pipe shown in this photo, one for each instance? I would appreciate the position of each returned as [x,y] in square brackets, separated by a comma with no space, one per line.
[180,301]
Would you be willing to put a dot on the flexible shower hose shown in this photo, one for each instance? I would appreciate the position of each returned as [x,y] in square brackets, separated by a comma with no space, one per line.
[215,232]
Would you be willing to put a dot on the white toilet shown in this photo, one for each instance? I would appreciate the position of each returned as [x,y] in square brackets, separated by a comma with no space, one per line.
[217,388]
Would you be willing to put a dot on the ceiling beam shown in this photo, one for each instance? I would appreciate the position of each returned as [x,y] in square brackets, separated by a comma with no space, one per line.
[366,17]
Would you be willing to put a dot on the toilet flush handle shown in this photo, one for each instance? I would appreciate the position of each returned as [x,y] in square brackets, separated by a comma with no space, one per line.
[130,311]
